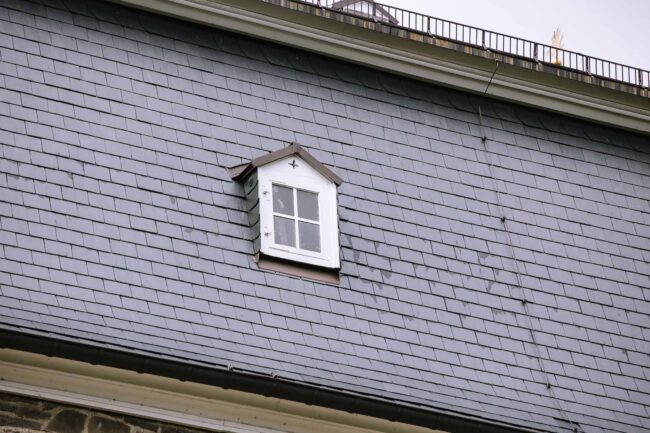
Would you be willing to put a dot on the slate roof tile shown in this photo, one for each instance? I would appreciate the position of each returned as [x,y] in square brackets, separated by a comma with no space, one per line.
[562,232]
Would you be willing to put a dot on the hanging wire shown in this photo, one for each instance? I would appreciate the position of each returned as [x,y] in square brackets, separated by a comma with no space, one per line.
[524,298]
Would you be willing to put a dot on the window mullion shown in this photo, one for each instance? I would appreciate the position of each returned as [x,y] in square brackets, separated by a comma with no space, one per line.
[295,217]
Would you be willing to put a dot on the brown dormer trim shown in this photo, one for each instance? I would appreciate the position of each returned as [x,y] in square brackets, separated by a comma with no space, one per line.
[240,172]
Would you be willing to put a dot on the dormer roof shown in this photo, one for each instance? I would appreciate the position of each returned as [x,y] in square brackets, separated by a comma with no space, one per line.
[240,172]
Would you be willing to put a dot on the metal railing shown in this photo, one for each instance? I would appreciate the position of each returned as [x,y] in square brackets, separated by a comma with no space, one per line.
[488,40]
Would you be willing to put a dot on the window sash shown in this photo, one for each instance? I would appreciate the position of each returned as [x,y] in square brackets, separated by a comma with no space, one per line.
[295,219]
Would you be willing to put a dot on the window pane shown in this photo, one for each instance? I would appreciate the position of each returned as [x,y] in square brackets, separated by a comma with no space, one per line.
[284,231]
[282,199]
[308,205]
[309,236]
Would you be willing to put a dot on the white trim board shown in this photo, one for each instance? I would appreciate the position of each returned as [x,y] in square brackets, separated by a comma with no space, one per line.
[170,400]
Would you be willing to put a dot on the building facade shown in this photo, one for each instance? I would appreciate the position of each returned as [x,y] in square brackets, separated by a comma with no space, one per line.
[494,254]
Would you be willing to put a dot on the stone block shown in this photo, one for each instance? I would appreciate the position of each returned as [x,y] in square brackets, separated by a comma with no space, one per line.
[68,421]
[99,424]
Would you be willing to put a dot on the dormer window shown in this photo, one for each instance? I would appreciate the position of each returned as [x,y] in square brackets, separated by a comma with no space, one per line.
[296,218]
[292,207]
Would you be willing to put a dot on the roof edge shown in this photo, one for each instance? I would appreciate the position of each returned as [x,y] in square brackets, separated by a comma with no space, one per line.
[269,385]
[289,26]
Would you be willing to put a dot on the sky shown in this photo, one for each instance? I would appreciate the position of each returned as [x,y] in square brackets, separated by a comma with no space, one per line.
[618,31]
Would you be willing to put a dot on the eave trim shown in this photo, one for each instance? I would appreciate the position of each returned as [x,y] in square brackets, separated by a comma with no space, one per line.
[247,381]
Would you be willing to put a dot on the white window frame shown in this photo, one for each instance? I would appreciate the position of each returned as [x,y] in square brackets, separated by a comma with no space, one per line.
[303,177]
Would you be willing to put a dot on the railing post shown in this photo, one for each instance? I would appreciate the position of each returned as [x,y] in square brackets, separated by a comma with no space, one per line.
[588,64]
[483,38]
[535,52]
[640,74]
[429,25]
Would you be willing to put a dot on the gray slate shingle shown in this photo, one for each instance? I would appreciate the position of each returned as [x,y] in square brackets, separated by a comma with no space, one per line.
[120,223]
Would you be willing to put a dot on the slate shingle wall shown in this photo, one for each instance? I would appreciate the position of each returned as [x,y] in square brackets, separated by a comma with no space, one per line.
[119,222]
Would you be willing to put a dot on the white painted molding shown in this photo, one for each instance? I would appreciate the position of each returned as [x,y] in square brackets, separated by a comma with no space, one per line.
[170,400]
[427,68]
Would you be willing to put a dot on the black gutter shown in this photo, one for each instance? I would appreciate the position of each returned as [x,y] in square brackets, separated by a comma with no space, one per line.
[266,385]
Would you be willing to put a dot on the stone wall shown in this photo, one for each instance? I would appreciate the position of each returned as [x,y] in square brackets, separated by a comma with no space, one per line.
[24,415]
